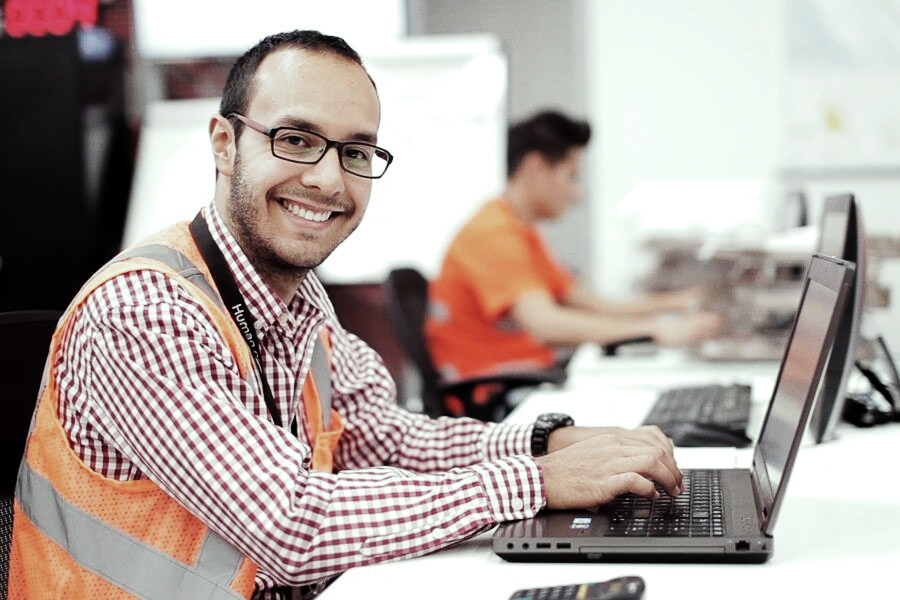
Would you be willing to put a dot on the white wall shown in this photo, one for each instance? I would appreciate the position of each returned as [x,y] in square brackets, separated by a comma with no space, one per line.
[696,89]
[680,90]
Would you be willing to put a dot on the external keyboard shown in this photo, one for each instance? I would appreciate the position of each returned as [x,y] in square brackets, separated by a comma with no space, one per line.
[726,406]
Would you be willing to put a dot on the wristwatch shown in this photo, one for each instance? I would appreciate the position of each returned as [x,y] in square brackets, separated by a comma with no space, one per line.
[546,424]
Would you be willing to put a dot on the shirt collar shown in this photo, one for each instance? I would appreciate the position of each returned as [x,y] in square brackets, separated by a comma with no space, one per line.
[265,305]
[507,207]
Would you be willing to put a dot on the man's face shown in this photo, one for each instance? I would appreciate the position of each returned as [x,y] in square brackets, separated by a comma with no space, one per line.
[289,217]
[560,184]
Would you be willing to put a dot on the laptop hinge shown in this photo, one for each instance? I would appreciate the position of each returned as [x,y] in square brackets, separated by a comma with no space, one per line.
[762,507]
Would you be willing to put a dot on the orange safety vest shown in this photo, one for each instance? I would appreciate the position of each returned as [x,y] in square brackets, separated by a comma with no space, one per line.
[78,534]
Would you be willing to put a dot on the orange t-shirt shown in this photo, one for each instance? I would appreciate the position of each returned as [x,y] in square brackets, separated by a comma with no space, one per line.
[491,262]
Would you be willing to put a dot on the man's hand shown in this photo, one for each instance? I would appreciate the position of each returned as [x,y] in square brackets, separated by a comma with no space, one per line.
[687,328]
[590,466]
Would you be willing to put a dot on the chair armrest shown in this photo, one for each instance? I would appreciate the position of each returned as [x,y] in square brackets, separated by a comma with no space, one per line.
[493,405]
[507,380]
[613,347]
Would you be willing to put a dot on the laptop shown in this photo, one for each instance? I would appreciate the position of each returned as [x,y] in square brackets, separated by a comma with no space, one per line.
[737,508]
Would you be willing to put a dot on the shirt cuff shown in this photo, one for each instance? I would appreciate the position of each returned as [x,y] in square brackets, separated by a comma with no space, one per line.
[514,487]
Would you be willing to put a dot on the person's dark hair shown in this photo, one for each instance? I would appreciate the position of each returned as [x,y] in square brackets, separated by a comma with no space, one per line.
[239,87]
[550,133]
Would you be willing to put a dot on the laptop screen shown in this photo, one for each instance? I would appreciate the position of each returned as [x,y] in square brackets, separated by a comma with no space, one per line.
[842,235]
[824,292]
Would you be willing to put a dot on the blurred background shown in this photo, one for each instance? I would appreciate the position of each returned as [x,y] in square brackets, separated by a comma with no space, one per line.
[720,128]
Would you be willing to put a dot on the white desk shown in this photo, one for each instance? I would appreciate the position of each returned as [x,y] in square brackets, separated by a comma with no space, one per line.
[838,535]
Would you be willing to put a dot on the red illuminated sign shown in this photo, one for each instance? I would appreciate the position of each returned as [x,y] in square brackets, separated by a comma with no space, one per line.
[47,17]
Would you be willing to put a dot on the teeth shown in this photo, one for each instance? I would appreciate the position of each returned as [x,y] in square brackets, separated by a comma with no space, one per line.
[305,213]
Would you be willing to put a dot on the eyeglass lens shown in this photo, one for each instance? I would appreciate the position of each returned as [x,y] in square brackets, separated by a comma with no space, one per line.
[304,146]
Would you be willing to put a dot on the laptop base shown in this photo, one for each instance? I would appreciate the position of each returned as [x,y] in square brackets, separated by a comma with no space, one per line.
[690,556]
[514,542]
[591,535]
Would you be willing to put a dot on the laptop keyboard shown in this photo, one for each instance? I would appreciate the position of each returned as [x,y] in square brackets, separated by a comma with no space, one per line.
[696,512]
[721,405]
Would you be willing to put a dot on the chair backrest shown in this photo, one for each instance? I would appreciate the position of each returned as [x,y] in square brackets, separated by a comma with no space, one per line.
[407,295]
[24,342]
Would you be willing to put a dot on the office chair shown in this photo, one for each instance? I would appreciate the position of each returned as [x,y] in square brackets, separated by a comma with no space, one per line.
[407,294]
[24,342]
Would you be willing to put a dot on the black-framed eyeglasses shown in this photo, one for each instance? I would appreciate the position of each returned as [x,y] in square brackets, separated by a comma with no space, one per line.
[307,147]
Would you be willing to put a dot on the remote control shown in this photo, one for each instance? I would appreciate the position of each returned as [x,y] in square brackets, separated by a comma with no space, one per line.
[621,588]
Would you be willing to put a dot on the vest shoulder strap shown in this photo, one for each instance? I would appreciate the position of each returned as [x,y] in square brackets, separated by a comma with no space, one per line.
[180,263]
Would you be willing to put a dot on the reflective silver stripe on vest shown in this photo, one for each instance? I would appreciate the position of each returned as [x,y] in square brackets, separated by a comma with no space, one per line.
[121,559]
[321,372]
[111,554]
[178,261]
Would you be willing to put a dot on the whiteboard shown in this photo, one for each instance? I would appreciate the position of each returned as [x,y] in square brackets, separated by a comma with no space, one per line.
[174,172]
[842,86]
[444,117]
[178,30]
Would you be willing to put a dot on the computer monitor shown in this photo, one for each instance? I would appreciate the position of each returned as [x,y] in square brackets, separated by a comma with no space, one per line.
[842,236]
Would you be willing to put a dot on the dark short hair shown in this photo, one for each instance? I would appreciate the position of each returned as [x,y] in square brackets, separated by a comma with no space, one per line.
[239,87]
[549,132]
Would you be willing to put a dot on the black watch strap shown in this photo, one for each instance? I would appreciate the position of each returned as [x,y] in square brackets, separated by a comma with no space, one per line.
[546,424]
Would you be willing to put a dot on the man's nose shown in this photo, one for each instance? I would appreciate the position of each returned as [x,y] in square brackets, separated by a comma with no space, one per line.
[327,175]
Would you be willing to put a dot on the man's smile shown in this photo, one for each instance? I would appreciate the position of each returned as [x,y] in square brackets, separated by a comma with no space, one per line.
[306,212]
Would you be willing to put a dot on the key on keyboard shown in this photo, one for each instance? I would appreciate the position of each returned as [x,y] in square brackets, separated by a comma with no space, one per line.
[696,512]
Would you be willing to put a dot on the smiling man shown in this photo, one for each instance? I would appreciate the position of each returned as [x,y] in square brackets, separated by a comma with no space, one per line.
[288,220]
[210,430]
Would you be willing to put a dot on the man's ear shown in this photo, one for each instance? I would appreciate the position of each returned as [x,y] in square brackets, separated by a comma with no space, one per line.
[221,138]
[535,160]
[533,165]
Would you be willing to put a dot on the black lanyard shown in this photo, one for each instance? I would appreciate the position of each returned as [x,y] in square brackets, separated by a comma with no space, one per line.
[237,308]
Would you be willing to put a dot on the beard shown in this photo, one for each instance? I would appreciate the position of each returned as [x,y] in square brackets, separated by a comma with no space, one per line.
[274,259]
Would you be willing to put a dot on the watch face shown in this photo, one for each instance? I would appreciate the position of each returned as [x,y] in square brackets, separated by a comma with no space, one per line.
[551,418]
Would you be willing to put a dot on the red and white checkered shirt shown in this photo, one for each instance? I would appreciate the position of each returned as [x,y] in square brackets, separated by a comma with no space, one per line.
[148,389]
